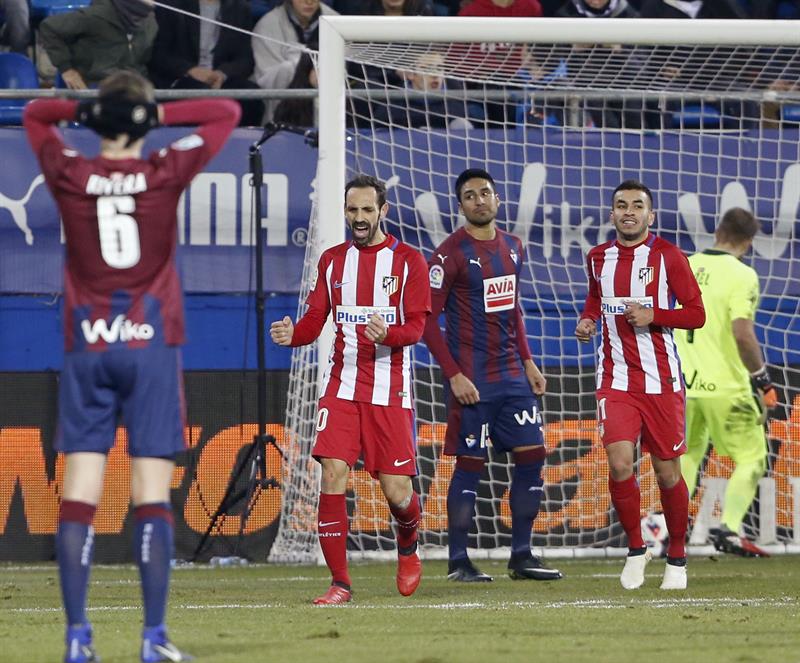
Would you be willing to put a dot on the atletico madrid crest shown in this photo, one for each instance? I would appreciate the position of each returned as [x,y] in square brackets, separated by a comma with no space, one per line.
[390,284]
[645,275]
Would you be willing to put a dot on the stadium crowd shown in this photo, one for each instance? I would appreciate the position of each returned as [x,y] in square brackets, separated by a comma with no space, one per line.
[75,49]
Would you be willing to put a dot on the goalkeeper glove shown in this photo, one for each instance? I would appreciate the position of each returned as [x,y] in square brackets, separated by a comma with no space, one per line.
[763,388]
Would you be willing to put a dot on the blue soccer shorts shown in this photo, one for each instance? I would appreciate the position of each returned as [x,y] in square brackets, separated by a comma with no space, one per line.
[504,423]
[143,387]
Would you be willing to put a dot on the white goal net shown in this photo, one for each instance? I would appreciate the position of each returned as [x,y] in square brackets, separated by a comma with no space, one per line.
[707,114]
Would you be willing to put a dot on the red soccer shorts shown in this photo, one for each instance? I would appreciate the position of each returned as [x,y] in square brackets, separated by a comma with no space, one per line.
[659,419]
[382,435]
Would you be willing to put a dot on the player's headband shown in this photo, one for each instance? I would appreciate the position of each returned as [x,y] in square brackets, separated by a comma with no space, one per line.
[113,114]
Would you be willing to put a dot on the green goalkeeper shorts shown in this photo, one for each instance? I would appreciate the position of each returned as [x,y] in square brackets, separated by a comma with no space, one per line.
[732,422]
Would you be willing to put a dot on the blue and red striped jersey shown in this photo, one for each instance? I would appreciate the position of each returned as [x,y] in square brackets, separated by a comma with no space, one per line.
[121,285]
[476,284]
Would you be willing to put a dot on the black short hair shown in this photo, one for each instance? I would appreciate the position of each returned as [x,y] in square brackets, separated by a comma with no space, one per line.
[469,174]
[633,185]
[738,225]
[362,181]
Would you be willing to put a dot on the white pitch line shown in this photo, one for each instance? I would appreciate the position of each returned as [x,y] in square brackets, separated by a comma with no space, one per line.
[592,604]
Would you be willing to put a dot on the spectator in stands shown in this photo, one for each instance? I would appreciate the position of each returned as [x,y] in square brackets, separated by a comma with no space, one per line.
[692,9]
[597,9]
[279,35]
[299,112]
[529,8]
[370,76]
[16,31]
[399,8]
[682,69]
[782,74]
[425,105]
[192,54]
[90,43]
[550,7]
[611,114]
[433,110]
[504,59]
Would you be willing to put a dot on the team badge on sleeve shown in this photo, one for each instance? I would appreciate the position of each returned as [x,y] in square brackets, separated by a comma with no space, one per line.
[186,143]
[436,276]
[314,279]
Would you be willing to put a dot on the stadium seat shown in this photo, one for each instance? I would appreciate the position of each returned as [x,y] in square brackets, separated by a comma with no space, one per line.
[697,116]
[43,8]
[16,72]
[791,113]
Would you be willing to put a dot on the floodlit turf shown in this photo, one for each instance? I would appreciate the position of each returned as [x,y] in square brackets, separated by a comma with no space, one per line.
[735,610]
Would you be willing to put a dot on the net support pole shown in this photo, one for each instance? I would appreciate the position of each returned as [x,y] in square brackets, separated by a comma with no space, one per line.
[331,164]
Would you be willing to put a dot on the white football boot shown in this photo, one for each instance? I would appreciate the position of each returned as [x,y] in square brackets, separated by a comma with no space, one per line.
[632,576]
[674,576]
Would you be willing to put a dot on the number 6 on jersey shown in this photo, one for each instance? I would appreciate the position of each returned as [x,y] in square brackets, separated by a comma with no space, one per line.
[119,233]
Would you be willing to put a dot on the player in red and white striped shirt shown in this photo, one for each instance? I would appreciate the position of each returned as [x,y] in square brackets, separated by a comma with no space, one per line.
[634,283]
[377,289]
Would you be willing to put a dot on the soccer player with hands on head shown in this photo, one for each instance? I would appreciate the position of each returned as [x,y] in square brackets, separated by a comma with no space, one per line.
[377,289]
[728,386]
[492,378]
[123,314]
[634,281]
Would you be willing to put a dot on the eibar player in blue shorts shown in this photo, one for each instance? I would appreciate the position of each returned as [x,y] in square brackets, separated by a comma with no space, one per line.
[123,325]
[727,383]
[493,381]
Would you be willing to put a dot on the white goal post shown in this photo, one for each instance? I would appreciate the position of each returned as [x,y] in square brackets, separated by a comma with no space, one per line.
[601,100]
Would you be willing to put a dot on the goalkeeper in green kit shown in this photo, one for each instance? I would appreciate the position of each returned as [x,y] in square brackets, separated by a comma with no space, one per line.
[728,388]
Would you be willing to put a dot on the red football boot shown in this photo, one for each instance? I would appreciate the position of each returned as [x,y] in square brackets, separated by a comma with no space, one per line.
[334,596]
[409,573]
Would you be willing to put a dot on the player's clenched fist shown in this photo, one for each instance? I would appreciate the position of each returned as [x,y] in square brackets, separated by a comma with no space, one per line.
[585,330]
[376,329]
[281,331]
[637,315]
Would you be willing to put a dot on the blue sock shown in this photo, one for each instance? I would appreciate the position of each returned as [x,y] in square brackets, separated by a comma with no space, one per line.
[153,541]
[524,499]
[74,547]
[461,505]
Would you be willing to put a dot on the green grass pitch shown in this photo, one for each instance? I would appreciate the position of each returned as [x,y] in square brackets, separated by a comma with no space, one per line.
[735,610]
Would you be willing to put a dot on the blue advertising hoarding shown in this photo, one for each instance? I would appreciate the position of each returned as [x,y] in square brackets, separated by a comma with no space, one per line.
[555,193]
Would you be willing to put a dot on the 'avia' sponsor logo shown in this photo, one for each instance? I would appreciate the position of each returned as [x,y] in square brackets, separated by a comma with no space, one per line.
[498,293]
[617,305]
[360,315]
[121,330]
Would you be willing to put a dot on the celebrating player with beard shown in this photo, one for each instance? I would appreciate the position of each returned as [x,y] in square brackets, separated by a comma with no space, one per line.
[377,289]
